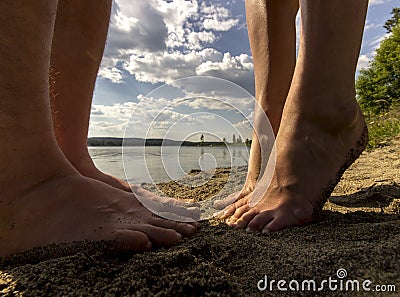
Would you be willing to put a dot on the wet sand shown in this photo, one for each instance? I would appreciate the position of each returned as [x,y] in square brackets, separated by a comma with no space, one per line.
[359,231]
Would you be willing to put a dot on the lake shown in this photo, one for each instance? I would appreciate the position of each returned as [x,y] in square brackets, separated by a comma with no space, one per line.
[161,164]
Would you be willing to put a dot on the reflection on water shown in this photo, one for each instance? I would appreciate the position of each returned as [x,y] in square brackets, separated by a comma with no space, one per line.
[165,163]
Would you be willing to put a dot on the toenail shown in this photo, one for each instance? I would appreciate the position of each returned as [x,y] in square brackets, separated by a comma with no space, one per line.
[149,245]
[249,230]
[265,231]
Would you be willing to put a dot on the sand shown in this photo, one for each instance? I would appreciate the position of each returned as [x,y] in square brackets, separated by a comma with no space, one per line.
[359,231]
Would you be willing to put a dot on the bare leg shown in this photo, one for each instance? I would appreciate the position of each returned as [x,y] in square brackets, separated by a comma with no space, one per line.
[41,194]
[272,34]
[78,44]
[322,130]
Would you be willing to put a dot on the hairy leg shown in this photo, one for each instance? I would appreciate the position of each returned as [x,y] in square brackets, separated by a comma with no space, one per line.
[322,130]
[77,49]
[43,199]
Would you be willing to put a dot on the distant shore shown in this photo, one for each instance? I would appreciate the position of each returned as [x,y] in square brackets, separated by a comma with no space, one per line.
[115,141]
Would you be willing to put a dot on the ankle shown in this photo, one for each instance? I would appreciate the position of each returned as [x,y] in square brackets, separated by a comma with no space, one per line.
[23,170]
[330,111]
[80,160]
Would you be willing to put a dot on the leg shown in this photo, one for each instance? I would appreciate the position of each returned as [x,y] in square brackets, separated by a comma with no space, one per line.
[79,38]
[272,34]
[322,130]
[40,192]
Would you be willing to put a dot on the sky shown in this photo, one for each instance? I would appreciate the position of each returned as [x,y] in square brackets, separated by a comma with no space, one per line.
[181,68]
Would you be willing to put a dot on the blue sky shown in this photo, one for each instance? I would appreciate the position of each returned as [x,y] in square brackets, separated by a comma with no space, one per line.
[151,43]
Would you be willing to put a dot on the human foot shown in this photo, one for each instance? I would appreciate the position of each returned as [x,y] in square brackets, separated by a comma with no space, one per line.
[247,189]
[306,171]
[70,207]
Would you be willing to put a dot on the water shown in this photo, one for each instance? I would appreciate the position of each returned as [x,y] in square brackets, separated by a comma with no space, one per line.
[160,164]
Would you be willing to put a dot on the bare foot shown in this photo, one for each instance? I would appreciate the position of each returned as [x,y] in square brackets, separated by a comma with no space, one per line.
[311,157]
[69,207]
[247,189]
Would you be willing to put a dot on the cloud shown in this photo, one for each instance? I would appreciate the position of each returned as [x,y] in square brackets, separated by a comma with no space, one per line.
[363,62]
[217,18]
[168,66]
[139,25]
[238,69]
[377,2]
[375,42]
[111,73]
[196,39]
[180,117]
[158,41]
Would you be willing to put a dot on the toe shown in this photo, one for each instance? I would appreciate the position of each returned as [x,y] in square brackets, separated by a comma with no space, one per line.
[260,220]
[181,214]
[182,228]
[160,236]
[133,240]
[246,218]
[280,223]
[238,214]
[230,210]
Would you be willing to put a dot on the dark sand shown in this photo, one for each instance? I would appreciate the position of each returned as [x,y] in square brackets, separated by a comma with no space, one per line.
[359,230]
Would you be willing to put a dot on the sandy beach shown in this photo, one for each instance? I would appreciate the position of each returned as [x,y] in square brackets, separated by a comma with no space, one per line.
[358,231]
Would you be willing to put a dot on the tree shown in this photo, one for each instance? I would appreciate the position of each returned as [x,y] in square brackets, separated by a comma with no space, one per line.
[234,138]
[239,139]
[378,86]
[393,21]
[202,138]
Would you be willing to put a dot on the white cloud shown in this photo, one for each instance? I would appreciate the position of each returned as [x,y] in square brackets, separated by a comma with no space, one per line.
[168,66]
[375,42]
[377,2]
[113,74]
[234,64]
[196,39]
[217,18]
[363,61]
[154,117]
[238,69]
[160,41]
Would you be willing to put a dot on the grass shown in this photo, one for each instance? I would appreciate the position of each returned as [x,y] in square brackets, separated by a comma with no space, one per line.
[383,127]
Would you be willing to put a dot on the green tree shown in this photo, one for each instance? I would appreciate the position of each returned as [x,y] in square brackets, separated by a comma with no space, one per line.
[378,86]
[393,21]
